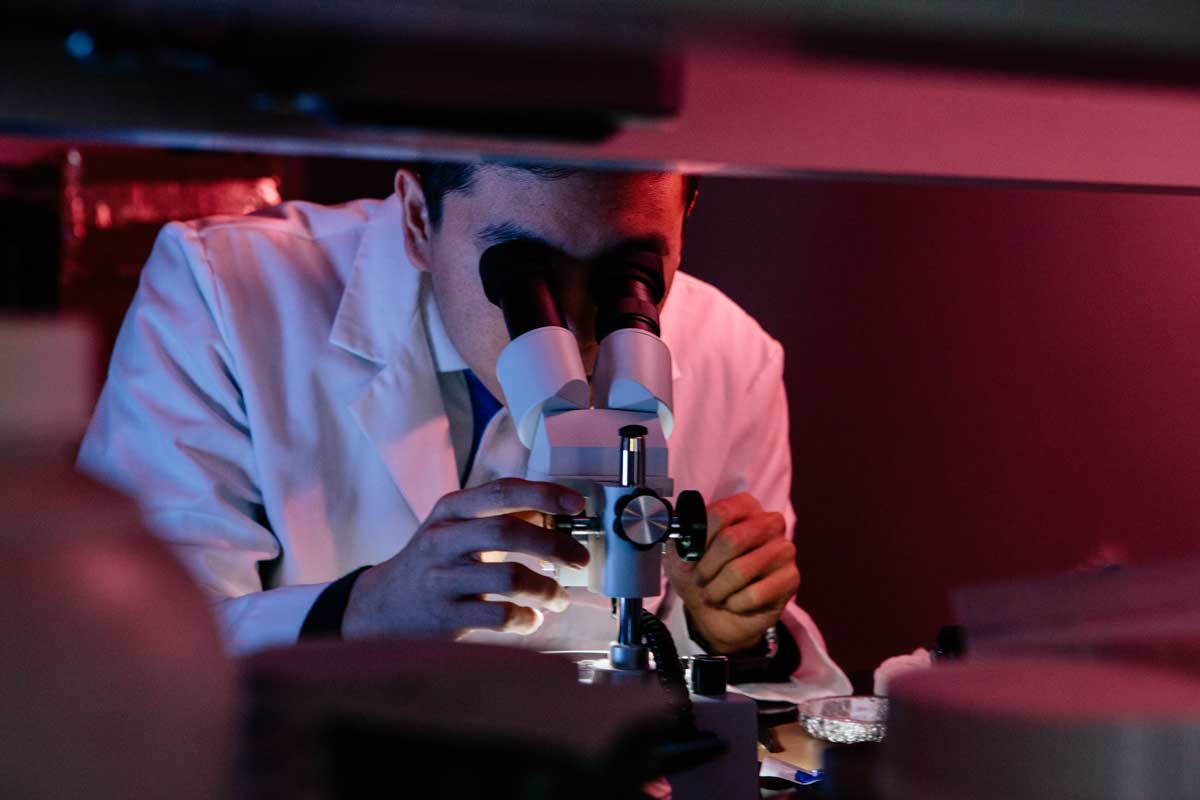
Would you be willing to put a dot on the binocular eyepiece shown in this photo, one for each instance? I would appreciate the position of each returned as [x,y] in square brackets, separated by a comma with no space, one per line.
[519,277]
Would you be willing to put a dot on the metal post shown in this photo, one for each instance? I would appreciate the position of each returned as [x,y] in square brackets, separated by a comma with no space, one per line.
[629,620]
[633,455]
[628,653]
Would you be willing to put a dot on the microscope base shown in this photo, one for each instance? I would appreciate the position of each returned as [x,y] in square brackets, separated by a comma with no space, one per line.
[734,718]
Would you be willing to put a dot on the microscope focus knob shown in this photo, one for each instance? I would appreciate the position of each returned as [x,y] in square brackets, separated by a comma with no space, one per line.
[691,524]
[643,519]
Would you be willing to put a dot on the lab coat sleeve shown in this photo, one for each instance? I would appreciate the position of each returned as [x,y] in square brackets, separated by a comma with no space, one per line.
[171,430]
[760,462]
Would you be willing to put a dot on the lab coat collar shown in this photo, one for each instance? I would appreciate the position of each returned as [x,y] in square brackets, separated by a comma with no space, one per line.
[400,410]
[445,355]
[374,318]
[667,322]
[379,304]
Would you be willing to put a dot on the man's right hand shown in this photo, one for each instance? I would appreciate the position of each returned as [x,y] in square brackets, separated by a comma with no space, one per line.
[435,585]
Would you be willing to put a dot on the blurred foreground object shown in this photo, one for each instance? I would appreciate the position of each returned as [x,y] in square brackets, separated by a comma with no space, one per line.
[442,719]
[45,388]
[304,74]
[1148,613]
[1029,91]
[113,681]
[896,666]
[1042,728]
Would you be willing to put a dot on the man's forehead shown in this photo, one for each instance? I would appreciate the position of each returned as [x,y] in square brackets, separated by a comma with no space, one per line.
[601,243]
[582,213]
[644,192]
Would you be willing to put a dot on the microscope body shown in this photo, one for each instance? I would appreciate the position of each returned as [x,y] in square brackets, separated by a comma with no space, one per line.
[582,447]
[607,439]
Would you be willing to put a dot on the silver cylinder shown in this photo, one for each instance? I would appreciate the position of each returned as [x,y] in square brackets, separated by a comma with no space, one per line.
[633,461]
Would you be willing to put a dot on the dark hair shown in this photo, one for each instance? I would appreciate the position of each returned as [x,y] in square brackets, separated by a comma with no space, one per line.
[439,178]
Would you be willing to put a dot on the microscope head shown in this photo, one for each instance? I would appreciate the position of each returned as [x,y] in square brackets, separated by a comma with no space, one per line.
[541,371]
[519,277]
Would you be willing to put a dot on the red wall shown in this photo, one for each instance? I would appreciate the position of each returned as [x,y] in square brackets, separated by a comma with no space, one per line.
[984,382]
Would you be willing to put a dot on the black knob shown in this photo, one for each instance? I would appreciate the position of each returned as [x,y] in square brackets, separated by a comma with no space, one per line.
[710,674]
[633,431]
[692,519]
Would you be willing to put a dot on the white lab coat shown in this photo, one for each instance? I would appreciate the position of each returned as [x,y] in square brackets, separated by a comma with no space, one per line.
[273,403]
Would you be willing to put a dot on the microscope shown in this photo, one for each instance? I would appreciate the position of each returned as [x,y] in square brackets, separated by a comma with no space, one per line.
[607,439]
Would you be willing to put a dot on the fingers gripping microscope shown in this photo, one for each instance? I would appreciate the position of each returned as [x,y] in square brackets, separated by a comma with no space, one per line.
[606,440]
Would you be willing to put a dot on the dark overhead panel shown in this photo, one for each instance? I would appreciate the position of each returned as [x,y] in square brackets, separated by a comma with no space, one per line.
[312,72]
[758,85]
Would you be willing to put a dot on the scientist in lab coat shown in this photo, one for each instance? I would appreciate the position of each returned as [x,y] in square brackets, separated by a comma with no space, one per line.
[304,402]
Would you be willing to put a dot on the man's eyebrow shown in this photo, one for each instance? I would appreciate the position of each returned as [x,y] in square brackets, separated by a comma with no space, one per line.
[499,233]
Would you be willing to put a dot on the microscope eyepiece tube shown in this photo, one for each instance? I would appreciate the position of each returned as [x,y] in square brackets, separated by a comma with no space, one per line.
[627,290]
[517,277]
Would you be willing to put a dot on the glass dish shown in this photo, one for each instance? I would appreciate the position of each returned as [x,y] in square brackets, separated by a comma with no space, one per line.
[845,720]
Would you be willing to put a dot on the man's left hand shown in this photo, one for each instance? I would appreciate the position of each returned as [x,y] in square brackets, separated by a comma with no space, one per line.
[746,577]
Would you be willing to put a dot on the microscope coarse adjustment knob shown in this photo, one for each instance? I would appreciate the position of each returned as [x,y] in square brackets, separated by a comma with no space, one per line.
[643,519]
[690,526]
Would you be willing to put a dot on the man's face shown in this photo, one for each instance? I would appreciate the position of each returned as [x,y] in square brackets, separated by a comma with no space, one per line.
[582,216]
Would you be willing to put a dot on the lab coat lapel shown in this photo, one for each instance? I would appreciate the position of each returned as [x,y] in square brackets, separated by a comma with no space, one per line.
[400,411]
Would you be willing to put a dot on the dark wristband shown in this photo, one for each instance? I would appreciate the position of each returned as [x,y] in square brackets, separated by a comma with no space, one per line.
[755,664]
[324,619]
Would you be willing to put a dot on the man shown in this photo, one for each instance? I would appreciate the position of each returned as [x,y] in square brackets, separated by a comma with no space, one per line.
[297,398]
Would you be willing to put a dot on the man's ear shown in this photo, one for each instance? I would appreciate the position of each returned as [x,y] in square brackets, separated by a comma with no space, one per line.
[417,230]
